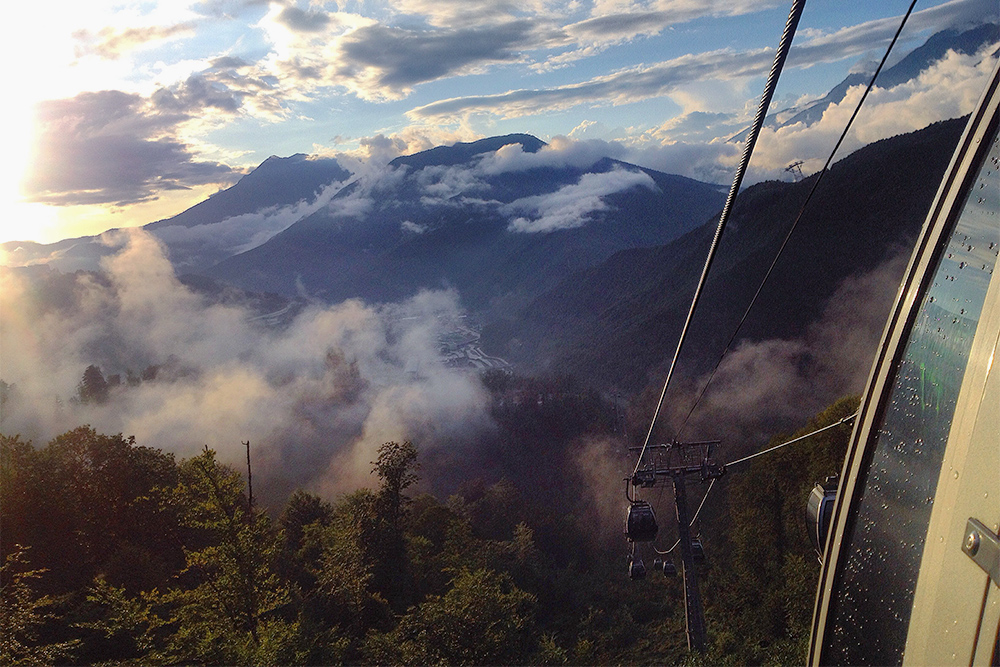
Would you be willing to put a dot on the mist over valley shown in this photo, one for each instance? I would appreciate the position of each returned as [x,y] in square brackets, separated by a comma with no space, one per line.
[396,394]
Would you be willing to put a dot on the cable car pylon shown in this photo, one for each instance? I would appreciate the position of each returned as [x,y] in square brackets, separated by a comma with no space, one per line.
[694,614]
[691,459]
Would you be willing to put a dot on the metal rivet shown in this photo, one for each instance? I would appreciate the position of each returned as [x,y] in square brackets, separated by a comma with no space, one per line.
[972,543]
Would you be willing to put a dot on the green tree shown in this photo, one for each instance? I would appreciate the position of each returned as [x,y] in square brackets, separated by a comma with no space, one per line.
[93,388]
[134,630]
[22,615]
[396,467]
[302,522]
[20,492]
[350,557]
[91,504]
[232,608]
[760,596]
[483,620]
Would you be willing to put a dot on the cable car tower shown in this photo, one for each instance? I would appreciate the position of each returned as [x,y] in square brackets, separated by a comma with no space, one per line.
[676,462]
[795,169]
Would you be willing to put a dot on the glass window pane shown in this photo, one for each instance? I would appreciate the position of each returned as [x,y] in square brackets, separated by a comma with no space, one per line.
[870,608]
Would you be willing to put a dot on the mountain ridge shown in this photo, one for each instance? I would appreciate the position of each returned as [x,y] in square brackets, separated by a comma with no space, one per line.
[276,181]
[909,67]
[619,319]
[447,217]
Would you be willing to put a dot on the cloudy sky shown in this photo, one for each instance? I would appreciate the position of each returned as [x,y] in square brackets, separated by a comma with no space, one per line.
[120,113]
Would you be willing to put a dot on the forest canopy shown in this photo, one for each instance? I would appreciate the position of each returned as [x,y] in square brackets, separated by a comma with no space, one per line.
[116,553]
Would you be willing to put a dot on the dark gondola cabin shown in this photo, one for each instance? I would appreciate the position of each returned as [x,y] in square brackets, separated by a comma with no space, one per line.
[819,510]
[636,569]
[698,551]
[640,522]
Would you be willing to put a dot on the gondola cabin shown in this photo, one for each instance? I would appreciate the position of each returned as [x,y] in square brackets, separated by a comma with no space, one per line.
[636,569]
[819,510]
[640,522]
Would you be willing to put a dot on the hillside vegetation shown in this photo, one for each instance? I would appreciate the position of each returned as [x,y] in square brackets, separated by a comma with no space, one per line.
[116,553]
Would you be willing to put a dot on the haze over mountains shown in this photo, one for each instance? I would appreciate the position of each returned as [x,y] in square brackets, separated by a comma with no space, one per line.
[499,314]
[568,261]
[500,220]
[811,334]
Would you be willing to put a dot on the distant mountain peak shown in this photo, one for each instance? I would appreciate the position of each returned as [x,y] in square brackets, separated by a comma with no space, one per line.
[277,181]
[462,152]
[273,159]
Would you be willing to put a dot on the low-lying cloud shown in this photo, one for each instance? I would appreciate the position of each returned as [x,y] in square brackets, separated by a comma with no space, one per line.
[315,398]
[572,205]
[947,89]
[764,386]
[559,152]
[468,184]
[200,246]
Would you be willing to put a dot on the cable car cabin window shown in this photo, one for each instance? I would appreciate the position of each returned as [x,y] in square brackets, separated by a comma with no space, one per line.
[871,603]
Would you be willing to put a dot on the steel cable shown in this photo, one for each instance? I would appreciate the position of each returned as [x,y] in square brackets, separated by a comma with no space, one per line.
[798,217]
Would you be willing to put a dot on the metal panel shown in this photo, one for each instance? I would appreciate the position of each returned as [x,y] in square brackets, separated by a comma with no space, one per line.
[951,591]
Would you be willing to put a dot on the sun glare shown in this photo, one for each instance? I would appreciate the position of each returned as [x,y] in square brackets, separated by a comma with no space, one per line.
[41,39]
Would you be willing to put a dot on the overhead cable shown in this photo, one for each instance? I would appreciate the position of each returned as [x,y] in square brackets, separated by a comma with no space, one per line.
[788,235]
[711,484]
[772,81]
[790,442]
[693,519]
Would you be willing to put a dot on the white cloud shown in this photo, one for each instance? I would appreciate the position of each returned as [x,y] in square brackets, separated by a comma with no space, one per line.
[692,80]
[625,86]
[559,152]
[441,183]
[591,129]
[315,398]
[462,13]
[572,205]
[760,386]
[111,147]
[948,89]
[861,39]
[202,245]
[379,61]
[412,227]
[687,145]
[613,21]
[711,162]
